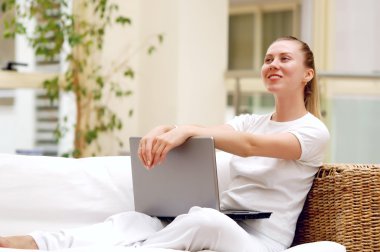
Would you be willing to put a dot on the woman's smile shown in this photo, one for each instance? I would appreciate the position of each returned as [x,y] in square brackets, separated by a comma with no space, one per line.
[274,76]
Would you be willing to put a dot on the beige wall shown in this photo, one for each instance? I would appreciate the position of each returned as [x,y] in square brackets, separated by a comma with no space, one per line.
[202,61]
[183,81]
[158,76]
[356,45]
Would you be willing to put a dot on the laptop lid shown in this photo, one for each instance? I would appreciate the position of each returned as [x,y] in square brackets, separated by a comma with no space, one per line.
[187,178]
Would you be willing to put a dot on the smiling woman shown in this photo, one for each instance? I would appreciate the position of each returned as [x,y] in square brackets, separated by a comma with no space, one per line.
[275,158]
[285,62]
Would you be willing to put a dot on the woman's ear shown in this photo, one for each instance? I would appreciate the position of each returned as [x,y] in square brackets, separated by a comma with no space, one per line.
[309,74]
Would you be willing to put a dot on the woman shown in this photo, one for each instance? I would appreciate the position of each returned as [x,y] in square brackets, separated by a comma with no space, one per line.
[275,159]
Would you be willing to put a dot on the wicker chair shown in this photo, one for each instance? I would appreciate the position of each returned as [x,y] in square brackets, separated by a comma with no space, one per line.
[343,206]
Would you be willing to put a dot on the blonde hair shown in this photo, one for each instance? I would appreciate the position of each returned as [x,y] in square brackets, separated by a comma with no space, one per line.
[311,91]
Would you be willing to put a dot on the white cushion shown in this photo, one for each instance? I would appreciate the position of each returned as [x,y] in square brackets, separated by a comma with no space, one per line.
[51,192]
[99,249]
[321,246]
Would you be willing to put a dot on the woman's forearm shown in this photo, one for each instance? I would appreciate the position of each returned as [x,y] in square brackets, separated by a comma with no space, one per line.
[225,138]
[283,145]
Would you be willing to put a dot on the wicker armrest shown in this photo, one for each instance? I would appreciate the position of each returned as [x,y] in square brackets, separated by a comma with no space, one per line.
[343,206]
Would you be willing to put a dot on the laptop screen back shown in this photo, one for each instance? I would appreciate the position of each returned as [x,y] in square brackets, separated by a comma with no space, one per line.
[187,178]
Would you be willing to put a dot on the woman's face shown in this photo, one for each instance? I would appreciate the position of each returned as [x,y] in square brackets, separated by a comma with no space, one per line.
[283,71]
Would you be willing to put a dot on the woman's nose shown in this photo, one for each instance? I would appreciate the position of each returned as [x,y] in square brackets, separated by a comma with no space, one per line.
[273,65]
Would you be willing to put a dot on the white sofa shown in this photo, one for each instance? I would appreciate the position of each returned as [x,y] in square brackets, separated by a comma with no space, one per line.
[49,193]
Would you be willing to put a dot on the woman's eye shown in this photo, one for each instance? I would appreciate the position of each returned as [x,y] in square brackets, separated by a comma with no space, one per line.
[268,60]
[285,58]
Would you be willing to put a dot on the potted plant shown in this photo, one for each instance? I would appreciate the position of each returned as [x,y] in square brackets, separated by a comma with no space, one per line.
[77,32]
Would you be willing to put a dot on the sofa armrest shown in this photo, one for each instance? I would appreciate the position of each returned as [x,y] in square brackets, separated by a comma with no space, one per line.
[343,206]
[39,192]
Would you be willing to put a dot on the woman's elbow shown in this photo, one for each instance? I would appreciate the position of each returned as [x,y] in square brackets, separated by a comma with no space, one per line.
[247,151]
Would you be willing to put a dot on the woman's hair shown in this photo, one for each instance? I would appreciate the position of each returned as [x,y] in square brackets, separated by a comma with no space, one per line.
[311,91]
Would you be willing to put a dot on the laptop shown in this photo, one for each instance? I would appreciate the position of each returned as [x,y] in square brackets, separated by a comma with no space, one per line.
[186,178]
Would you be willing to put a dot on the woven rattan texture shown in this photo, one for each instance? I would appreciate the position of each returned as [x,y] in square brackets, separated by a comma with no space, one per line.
[343,206]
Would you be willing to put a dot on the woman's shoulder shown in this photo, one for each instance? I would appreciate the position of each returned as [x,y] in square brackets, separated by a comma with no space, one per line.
[313,125]
[312,120]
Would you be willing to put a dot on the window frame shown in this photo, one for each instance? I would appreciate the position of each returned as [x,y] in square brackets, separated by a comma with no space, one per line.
[258,11]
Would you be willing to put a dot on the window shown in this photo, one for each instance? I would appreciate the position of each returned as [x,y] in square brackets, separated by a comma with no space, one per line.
[276,24]
[253,28]
[240,41]
[47,116]
[354,128]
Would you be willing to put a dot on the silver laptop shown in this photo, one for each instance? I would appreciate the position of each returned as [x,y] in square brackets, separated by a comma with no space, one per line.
[187,178]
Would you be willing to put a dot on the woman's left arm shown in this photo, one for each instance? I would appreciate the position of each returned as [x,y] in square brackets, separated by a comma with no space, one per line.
[282,145]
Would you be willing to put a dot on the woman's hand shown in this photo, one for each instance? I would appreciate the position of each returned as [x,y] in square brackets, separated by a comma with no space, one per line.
[158,142]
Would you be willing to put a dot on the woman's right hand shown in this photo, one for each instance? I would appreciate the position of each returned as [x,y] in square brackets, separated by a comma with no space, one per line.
[148,141]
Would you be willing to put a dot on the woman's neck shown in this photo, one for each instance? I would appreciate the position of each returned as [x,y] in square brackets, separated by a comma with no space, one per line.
[288,109]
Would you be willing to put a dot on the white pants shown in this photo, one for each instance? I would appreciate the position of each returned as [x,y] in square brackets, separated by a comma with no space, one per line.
[200,229]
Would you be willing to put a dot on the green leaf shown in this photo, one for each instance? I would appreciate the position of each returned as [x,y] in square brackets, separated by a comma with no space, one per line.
[161,38]
[83,91]
[69,85]
[66,155]
[20,28]
[100,112]
[11,28]
[119,93]
[114,7]
[8,34]
[97,94]
[100,32]
[52,88]
[4,7]
[123,20]
[7,5]
[119,125]
[76,153]
[129,73]
[57,133]
[151,50]
[90,136]
[100,81]
[74,39]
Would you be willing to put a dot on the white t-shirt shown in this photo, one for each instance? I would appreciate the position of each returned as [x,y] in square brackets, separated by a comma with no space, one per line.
[273,184]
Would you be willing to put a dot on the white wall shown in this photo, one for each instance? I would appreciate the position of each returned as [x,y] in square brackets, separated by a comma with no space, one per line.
[158,75]
[357,36]
[202,61]
[183,82]
[307,22]
[17,123]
